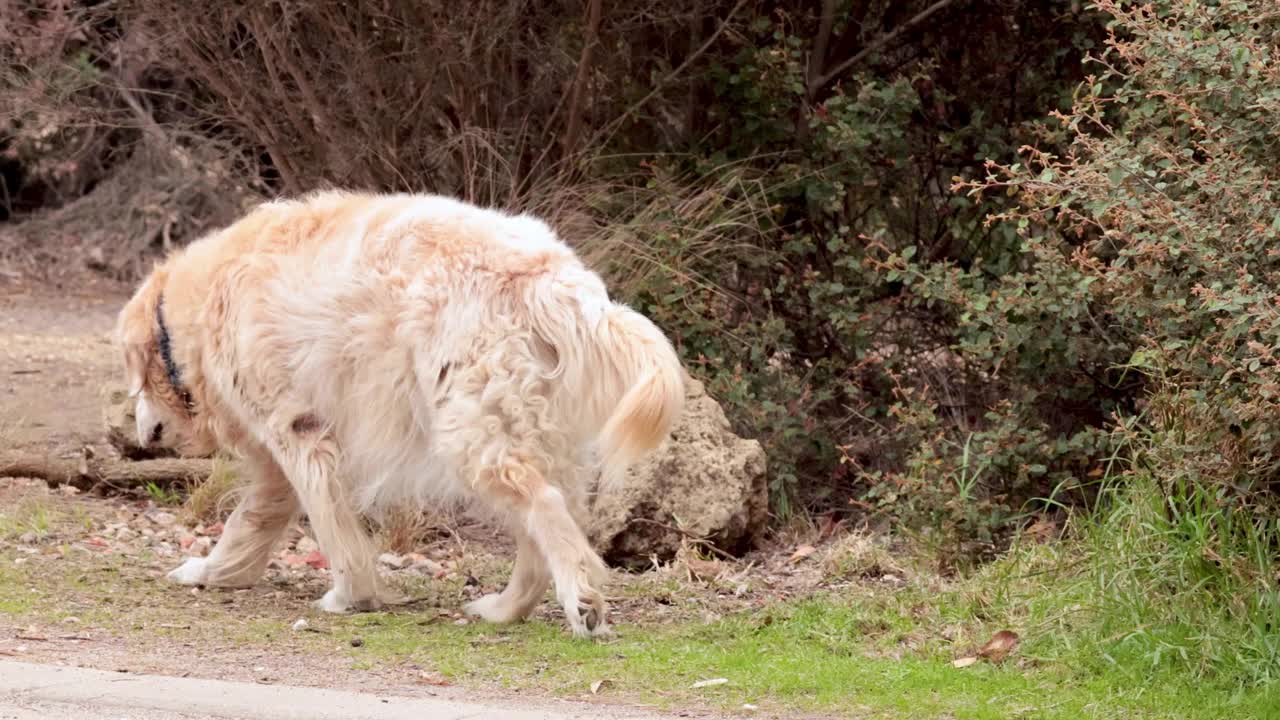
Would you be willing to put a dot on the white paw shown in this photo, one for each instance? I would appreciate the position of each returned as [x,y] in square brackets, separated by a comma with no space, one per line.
[589,617]
[194,571]
[339,603]
[488,608]
[603,631]
[333,602]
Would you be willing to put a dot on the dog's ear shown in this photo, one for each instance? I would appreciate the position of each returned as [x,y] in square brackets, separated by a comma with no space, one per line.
[135,367]
[136,334]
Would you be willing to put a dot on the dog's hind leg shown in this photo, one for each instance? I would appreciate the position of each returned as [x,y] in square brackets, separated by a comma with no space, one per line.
[495,428]
[578,572]
[242,553]
[529,581]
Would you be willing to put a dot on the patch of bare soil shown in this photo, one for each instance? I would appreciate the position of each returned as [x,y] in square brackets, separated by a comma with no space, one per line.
[55,356]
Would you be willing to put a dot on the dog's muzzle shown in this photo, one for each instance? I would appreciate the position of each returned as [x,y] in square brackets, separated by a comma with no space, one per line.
[150,426]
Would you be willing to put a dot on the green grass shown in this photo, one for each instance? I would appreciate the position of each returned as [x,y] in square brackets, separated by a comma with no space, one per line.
[15,597]
[1162,604]
[1166,578]
[163,495]
[30,514]
[814,655]
[866,653]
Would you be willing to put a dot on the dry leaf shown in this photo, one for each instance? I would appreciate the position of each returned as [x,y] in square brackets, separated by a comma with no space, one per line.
[801,553]
[703,569]
[430,678]
[595,686]
[999,646]
[709,683]
[1043,530]
[964,662]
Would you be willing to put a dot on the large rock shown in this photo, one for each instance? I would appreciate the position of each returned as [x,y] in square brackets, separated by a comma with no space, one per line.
[704,482]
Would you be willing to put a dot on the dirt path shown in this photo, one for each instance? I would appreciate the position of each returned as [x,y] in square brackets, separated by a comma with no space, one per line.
[55,356]
[42,691]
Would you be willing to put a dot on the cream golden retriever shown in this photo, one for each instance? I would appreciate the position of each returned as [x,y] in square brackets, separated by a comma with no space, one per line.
[363,351]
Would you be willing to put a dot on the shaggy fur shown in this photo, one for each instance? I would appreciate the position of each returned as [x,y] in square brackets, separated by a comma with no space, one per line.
[366,351]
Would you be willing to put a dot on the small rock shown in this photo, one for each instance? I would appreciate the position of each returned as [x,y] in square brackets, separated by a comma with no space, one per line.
[125,534]
[393,561]
[201,546]
[28,538]
[71,620]
[306,545]
[461,621]
[357,641]
[163,519]
[187,541]
[300,624]
[424,564]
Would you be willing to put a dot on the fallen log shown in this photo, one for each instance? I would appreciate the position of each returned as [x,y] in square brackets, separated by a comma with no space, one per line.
[89,473]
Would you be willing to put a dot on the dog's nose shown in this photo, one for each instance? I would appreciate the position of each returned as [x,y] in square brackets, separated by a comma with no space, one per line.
[157,432]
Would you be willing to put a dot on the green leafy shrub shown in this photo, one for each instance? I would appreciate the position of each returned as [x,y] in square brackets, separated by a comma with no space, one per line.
[864,389]
[1152,237]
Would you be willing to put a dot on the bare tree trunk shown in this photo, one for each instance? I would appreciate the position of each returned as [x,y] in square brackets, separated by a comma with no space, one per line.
[578,93]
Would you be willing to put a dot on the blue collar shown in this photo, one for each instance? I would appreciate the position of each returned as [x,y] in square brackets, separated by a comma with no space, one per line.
[166,354]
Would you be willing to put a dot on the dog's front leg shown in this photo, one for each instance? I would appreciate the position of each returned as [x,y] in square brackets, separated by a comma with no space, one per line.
[243,551]
[309,456]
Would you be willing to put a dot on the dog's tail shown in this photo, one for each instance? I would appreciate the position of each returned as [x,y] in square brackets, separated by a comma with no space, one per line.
[625,378]
[647,366]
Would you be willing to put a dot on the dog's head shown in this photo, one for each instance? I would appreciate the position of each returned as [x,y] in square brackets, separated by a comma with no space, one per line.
[167,406]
